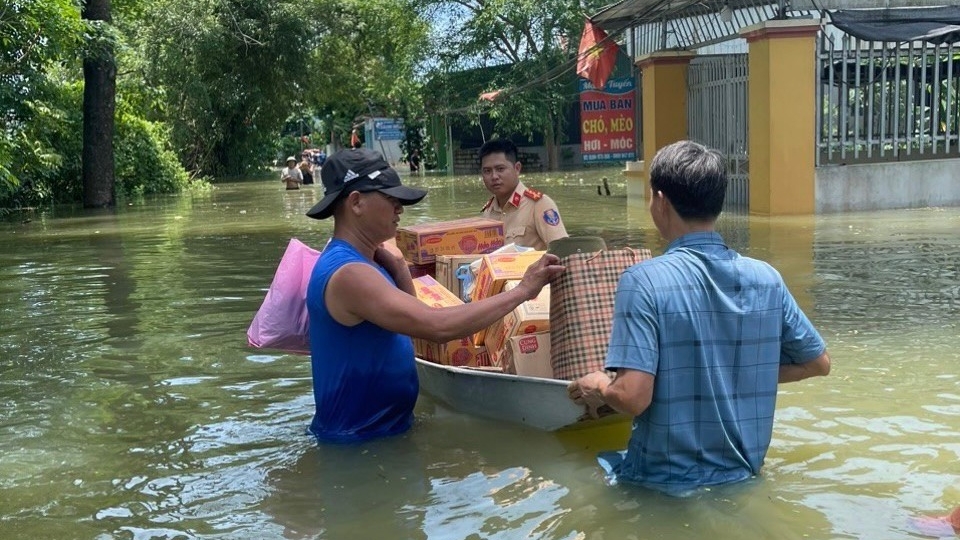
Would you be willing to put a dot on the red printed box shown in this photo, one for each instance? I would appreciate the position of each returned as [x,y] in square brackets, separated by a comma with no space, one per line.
[528,355]
[422,243]
[459,352]
[530,317]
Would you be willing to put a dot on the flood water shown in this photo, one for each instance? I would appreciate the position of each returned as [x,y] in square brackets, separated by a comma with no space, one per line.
[133,408]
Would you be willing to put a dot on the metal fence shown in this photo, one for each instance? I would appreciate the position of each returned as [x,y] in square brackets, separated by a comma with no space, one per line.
[886,101]
[717,117]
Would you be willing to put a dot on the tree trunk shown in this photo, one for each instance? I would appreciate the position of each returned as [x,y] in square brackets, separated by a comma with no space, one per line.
[99,104]
[550,142]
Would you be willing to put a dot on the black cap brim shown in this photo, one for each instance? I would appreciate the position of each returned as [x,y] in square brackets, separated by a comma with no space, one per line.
[324,208]
[406,196]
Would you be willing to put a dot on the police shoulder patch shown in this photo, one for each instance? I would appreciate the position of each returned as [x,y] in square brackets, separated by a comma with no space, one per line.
[551,217]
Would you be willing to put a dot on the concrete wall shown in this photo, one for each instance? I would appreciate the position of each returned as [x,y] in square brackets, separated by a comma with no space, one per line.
[880,186]
[534,159]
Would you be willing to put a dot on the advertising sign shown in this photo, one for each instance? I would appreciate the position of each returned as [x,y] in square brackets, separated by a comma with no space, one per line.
[388,129]
[607,126]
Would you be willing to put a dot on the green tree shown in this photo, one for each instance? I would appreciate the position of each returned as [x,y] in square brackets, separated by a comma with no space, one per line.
[365,61]
[228,72]
[535,44]
[233,72]
[34,35]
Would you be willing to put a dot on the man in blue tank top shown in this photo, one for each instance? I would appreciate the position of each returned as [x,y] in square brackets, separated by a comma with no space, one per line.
[701,337]
[363,308]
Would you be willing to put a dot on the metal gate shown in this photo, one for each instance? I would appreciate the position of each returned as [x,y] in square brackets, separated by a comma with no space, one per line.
[717,117]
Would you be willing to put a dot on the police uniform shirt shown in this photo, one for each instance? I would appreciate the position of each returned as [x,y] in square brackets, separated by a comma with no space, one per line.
[530,218]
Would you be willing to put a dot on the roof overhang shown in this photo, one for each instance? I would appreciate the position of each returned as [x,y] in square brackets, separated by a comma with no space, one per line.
[619,16]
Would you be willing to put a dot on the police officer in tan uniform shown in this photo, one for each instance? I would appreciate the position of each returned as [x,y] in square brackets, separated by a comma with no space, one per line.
[530,218]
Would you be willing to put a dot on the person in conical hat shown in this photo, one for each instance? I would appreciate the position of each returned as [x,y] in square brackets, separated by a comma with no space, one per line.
[291,175]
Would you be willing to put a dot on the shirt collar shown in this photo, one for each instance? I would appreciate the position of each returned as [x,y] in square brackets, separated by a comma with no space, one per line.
[514,199]
[517,195]
[696,239]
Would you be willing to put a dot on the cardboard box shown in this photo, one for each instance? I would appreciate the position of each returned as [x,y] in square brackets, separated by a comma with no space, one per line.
[422,243]
[459,352]
[530,317]
[528,355]
[433,294]
[495,271]
[447,268]
[498,268]
[465,353]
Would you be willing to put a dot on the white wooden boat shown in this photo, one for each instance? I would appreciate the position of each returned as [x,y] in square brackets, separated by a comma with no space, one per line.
[532,401]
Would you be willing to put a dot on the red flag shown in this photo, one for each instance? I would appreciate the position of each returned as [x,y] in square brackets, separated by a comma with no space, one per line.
[597,55]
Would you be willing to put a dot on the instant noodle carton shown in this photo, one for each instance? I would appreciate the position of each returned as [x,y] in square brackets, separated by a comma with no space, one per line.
[528,355]
[422,243]
[530,317]
[499,268]
[495,270]
[433,294]
[459,352]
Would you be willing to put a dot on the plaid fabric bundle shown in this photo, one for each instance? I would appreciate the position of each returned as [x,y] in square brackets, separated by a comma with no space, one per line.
[581,309]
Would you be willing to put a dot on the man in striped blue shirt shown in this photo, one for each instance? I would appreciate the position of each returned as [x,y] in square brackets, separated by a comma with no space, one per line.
[701,338]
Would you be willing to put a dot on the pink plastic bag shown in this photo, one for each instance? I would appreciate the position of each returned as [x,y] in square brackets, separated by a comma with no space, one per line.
[281,322]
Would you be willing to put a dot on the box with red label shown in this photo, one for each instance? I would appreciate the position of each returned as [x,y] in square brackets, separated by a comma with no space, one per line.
[495,270]
[422,243]
[530,317]
[465,353]
[498,268]
[459,352]
[433,294]
[528,355]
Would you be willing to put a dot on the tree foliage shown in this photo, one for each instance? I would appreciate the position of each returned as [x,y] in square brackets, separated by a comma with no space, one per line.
[233,71]
[212,80]
[41,88]
[211,83]
[362,62]
[535,44]
[223,68]
[33,35]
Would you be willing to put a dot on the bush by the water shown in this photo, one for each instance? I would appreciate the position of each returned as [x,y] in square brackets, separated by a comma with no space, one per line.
[45,154]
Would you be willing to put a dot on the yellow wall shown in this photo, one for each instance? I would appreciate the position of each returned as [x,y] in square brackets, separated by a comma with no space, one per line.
[664,91]
[782,118]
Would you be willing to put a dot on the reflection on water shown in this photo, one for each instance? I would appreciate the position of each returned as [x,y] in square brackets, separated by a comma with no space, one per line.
[132,407]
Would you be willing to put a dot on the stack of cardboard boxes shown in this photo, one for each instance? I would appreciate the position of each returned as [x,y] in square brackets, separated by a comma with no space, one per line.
[459,352]
[520,342]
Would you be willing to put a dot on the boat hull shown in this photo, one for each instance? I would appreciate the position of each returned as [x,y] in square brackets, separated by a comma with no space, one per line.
[531,401]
